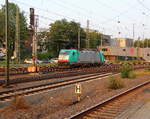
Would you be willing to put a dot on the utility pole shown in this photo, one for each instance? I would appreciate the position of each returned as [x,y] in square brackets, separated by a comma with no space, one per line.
[87,34]
[36,35]
[147,42]
[32,28]
[143,35]
[17,41]
[138,46]
[102,39]
[78,38]
[7,43]
[133,36]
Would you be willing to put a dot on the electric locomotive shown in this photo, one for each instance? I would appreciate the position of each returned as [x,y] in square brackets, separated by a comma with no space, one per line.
[81,57]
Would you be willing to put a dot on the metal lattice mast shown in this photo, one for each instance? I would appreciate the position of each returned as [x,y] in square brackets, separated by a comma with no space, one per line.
[133,36]
[17,42]
[7,42]
[36,35]
[79,38]
[32,30]
[87,35]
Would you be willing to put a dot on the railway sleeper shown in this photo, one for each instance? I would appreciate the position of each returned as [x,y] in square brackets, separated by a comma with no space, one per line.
[110,108]
[112,111]
[100,117]
[103,114]
[118,102]
[96,116]
[119,107]
[108,111]
[103,117]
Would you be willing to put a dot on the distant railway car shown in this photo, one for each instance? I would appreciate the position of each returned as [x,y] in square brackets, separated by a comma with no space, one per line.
[125,53]
[74,56]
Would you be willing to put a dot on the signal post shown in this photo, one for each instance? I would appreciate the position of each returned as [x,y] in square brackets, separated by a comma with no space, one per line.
[78,91]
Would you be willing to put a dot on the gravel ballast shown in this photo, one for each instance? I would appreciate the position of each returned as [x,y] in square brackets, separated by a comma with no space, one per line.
[63,102]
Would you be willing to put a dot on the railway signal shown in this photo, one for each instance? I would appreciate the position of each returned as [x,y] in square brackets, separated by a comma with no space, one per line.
[78,91]
[31,17]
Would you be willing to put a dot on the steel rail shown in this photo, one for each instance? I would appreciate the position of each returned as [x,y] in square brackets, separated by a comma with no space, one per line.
[47,86]
[107,68]
[87,111]
[62,74]
[47,69]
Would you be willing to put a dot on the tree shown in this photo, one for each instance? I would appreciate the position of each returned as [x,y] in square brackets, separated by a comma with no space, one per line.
[2,28]
[142,43]
[95,39]
[12,26]
[64,34]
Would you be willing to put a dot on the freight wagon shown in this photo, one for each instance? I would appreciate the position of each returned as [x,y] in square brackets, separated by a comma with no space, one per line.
[125,53]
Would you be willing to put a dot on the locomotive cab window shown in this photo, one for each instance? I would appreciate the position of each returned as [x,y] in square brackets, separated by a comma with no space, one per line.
[65,52]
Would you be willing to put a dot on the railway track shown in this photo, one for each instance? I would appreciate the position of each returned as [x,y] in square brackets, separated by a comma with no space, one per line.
[5,95]
[112,107]
[60,73]
[47,69]
[76,72]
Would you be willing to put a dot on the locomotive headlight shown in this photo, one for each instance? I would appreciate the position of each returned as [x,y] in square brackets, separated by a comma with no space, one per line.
[63,57]
[67,57]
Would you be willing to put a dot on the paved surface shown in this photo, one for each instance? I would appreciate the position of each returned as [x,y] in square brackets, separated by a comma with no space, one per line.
[141,111]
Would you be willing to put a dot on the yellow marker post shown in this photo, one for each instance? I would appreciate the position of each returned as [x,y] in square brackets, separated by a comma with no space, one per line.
[78,91]
[32,69]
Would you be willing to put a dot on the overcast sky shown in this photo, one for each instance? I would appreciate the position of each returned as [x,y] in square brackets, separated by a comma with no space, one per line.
[103,14]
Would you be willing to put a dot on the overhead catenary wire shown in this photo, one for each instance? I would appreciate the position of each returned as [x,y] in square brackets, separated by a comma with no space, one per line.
[47,11]
[72,8]
[143,5]
[68,17]
[105,5]
[76,6]
[96,23]
[44,10]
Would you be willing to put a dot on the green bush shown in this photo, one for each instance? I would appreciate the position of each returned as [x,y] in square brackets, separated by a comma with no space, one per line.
[115,83]
[132,75]
[43,55]
[125,70]
[3,62]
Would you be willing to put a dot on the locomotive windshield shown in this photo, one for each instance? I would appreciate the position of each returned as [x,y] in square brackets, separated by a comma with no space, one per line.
[64,52]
